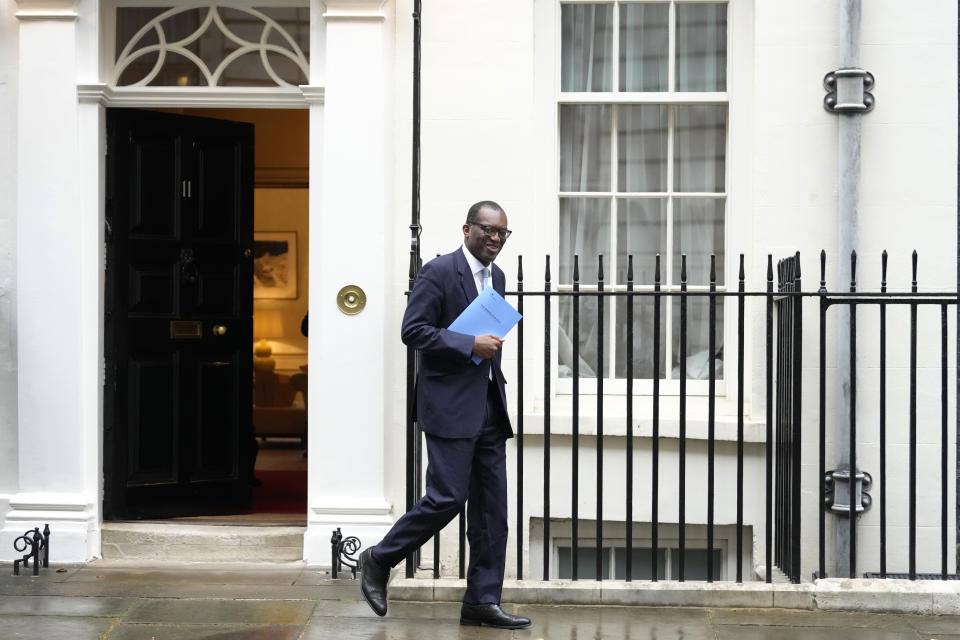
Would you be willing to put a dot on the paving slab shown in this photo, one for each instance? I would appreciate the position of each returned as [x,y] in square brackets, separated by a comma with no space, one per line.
[620,623]
[936,625]
[203,632]
[809,619]
[53,627]
[738,632]
[65,606]
[203,611]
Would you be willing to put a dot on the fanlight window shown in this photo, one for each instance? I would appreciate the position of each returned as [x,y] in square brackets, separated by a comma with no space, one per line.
[215,46]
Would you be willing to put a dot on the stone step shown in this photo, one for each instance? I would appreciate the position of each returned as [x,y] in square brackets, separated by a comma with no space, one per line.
[160,541]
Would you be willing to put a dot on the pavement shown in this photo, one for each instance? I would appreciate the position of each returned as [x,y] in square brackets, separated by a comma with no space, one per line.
[124,601]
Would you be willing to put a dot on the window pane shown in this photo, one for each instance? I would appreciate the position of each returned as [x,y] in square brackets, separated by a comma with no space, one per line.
[642,567]
[585,147]
[698,338]
[642,337]
[642,148]
[585,231]
[588,337]
[644,34]
[702,47]
[209,45]
[587,47]
[586,562]
[698,232]
[695,564]
[642,233]
[700,148]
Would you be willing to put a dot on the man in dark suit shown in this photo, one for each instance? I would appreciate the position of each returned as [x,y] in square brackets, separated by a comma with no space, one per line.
[461,407]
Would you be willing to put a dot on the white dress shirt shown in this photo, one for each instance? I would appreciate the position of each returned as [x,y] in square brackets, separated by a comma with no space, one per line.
[477,268]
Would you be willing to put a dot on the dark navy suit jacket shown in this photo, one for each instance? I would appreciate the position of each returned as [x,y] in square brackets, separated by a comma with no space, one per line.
[451,390]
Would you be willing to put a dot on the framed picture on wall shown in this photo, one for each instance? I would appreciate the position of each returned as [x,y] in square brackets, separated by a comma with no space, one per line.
[275,265]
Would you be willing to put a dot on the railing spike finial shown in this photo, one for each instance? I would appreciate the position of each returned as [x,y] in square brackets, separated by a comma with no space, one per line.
[630,268]
[656,271]
[796,265]
[883,270]
[576,267]
[600,268]
[823,271]
[769,267]
[914,281]
[853,270]
[713,268]
[743,273]
[520,268]
[546,273]
[683,267]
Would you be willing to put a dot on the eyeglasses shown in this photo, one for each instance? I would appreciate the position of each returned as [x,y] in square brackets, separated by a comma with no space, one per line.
[489,231]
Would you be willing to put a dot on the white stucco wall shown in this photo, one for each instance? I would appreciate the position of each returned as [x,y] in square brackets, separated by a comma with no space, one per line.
[489,92]
[490,73]
[8,247]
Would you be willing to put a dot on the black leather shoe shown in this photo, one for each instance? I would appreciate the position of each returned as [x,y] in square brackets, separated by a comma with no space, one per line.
[490,615]
[373,583]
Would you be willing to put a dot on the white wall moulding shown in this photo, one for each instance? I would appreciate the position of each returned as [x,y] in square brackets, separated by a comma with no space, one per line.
[199,44]
[354,10]
[198,97]
[46,10]
[313,94]
[72,520]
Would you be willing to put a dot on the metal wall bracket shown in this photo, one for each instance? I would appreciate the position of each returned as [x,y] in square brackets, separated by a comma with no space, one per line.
[848,91]
[837,491]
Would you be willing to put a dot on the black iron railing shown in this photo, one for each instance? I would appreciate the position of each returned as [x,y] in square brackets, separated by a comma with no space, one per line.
[788,411]
[783,377]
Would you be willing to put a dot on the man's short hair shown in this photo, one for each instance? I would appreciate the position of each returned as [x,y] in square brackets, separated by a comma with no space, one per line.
[475,209]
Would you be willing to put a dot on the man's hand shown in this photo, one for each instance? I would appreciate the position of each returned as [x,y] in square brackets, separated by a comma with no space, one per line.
[486,345]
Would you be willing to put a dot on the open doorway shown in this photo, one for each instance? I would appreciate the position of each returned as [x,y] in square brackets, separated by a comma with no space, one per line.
[166,413]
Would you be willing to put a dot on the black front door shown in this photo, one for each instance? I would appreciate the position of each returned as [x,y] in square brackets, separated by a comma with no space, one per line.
[178,299]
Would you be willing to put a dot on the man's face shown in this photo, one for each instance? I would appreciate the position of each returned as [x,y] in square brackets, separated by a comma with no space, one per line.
[485,247]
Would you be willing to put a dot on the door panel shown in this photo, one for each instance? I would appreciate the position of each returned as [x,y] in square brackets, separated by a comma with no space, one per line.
[152,423]
[154,204]
[178,434]
[217,190]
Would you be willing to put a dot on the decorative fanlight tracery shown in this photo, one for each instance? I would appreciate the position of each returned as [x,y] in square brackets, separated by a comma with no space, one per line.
[143,45]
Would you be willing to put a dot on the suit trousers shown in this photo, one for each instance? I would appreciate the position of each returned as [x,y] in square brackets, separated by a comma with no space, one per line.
[471,470]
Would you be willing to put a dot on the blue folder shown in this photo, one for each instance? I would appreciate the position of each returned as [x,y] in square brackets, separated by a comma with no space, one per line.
[488,313]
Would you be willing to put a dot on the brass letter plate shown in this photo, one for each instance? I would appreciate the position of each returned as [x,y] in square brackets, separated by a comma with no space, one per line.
[186,329]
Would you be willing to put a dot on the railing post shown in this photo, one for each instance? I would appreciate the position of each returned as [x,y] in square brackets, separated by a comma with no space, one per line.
[520,419]
[546,420]
[683,416]
[796,421]
[575,445]
[600,376]
[769,417]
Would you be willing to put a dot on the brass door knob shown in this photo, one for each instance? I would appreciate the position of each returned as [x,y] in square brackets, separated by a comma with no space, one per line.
[219,329]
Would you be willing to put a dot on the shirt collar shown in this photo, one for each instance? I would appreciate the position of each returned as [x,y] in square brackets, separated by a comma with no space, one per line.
[475,265]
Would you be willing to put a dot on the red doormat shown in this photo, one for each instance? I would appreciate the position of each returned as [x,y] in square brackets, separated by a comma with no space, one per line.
[280,492]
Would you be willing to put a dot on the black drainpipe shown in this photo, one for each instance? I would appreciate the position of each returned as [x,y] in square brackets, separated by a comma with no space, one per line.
[415,227]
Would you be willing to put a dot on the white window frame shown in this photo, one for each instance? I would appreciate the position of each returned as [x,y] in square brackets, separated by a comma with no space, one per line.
[643,545]
[668,385]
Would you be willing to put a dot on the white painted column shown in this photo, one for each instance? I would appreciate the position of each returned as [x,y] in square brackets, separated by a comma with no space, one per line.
[349,157]
[56,485]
